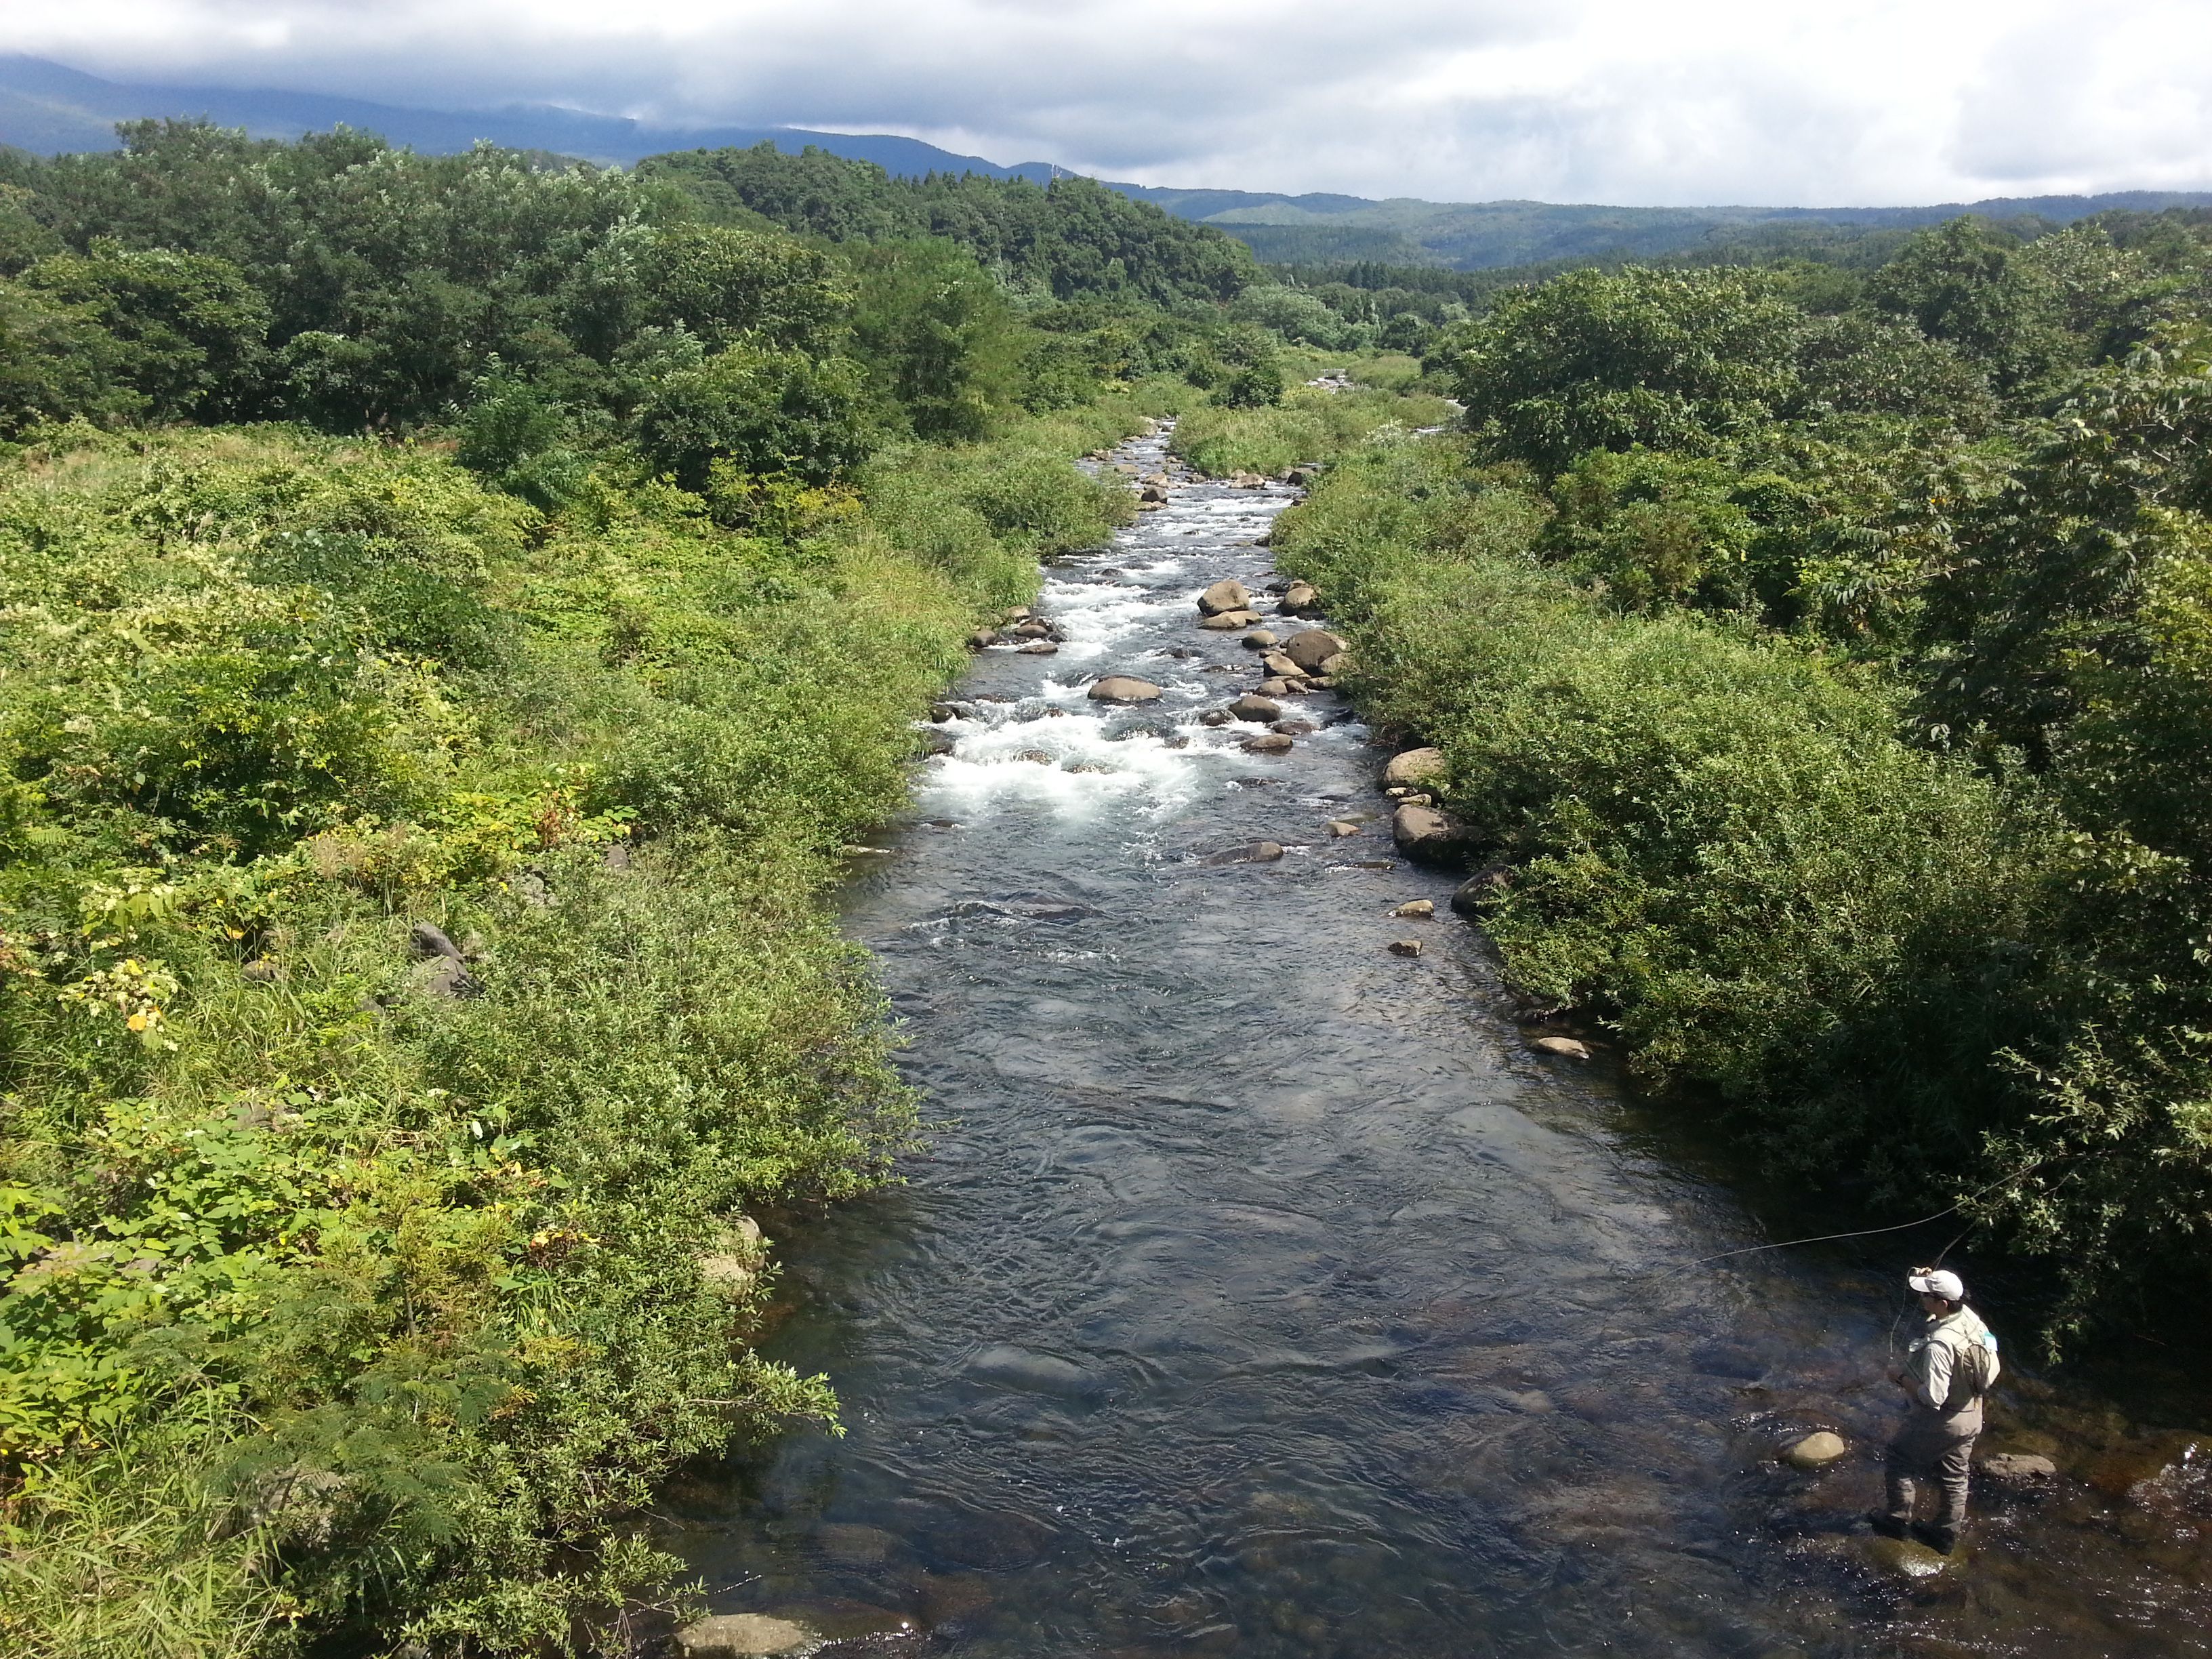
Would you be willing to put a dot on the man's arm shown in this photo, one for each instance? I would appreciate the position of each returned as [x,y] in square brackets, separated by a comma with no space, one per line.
[1932,1387]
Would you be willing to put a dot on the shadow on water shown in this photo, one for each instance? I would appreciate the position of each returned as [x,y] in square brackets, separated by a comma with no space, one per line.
[1266,1294]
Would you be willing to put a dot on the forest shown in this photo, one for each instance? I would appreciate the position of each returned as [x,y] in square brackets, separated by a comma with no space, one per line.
[463,611]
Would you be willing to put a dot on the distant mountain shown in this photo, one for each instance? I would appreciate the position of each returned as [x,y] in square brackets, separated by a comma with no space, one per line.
[49,109]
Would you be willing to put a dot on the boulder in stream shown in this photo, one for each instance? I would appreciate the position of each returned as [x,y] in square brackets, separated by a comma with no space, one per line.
[1227,594]
[1039,648]
[1228,622]
[1251,707]
[1123,688]
[1425,833]
[1414,769]
[1405,947]
[1258,640]
[1279,666]
[1340,827]
[1423,908]
[1270,743]
[1310,648]
[1484,883]
[1298,598]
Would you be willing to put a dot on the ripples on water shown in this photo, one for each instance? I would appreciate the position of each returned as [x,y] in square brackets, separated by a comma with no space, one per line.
[1263,1294]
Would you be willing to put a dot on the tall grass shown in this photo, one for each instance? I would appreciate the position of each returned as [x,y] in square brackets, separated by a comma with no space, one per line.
[1308,425]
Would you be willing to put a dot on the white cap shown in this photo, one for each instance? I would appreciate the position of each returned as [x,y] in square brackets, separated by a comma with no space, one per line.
[1939,1281]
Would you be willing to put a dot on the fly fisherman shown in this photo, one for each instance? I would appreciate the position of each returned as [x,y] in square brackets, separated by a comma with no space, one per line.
[1951,1364]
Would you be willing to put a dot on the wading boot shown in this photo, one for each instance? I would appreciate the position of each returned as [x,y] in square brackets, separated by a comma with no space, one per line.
[1942,1539]
[1888,1525]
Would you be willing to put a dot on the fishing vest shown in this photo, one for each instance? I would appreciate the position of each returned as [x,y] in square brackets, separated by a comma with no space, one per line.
[1974,1366]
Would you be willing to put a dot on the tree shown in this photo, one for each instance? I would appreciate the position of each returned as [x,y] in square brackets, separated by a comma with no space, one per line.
[937,336]
[768,412]
[191,331]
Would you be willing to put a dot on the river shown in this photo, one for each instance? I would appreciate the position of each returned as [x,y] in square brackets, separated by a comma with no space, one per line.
[1262,1292]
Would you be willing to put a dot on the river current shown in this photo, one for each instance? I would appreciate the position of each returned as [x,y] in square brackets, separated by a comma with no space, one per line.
[1263,1291]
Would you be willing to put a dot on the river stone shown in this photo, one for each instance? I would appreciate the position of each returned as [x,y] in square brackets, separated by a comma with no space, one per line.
[1294,728]
[1340,827]
[1414,769]
[934,742]
[1280,665]
[1036,757]
[1486,883]
[1276,687]
[744,1636]
[1423,832]
[981,637]
[1564,1047]
[1816,1450]
[1258,640]
[1123,688]
[2017,1468]
[1904,1558]
[1038,648]
[1227,594]
[1331,668]
[1298,598]
[1228,622]
[1270,743]
[1310,648]
[1405,947]
[1416,908]
[1214,717]
[1251,707]
[1017,613]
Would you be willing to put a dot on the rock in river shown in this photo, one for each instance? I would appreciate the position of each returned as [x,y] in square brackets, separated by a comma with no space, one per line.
[1279,666]
[1564,1047]
[1258,640]
[2018,1469]
[1486,883]
[1423,832]
[1252,707]
[1298,598]
[1414,769]
[1816,1450]
[1416,908]
[1123,688]
[1226,594]
[1310,648]
[1227,622]
[744,1636]
[1405,947]
[1271,742]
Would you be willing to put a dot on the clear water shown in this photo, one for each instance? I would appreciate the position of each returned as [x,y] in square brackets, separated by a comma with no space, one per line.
[1262,1292]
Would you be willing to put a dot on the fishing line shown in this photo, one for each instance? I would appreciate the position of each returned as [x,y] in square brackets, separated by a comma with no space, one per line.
[1897,1227]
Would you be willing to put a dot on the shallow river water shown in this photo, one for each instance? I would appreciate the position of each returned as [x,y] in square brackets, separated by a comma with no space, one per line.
[1263,1292]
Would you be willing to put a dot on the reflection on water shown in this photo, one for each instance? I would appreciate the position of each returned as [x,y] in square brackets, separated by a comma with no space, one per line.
[1264,1294]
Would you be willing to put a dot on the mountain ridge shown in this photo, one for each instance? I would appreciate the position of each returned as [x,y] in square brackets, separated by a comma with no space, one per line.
[49,108]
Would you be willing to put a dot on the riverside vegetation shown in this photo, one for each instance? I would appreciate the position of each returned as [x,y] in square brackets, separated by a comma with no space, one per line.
[459,611]
[1821,655]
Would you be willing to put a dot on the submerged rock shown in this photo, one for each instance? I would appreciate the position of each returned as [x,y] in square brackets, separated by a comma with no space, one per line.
[2017,1468]
[1815,1451]
[1564,1047]
[1341,827]
[934,742]
[1039,648]
[1123,688]
[1294,728]
[1405,947]
[1416,908]
[744,1636]
[1904,1558]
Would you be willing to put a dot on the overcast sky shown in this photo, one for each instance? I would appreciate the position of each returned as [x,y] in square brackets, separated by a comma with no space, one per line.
[1810,102]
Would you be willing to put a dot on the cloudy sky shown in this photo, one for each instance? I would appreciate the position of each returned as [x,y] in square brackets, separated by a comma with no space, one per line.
[1813,102]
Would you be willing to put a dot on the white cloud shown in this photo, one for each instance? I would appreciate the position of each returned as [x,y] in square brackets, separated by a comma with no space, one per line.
[1637,101]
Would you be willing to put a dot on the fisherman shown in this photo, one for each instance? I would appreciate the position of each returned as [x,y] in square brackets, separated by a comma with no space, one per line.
[1951,1364]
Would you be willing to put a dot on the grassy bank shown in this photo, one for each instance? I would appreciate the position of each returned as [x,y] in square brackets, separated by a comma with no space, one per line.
[360,1293]
[1895,973]
[1308,425]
